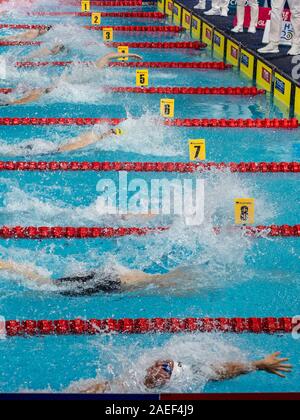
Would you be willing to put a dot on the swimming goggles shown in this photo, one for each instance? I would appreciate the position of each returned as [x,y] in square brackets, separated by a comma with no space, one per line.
[167,368]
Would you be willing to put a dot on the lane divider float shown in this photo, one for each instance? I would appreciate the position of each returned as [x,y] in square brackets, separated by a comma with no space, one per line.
[270,325]
[131,28]
[110,3]
[234,123]
[19,43]
[233,91]
[26,64]
[276,123]
[174,65]
[162,65]
[172,29]
[69,232]
[59,121]
[181,167]
[119,14]
[193,45]
[6,91]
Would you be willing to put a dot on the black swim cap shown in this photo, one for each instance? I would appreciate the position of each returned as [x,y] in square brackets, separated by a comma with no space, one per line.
[46,28]
[88,285]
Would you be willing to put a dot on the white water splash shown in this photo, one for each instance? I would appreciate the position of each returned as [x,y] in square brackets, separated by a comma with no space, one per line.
[202,354]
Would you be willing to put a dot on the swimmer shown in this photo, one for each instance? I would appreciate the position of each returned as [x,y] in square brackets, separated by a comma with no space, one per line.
[46,52]
[30,35]
[80,142]
[35,94]
[164,372]
[87,139]
[31,96]
[106,59]
[91,283]
[100,63]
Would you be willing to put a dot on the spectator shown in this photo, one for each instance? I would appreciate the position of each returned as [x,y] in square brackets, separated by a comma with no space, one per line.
[219,8]
[275,30]
[241,16]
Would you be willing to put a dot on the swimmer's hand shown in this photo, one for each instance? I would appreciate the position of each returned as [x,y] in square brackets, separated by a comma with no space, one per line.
[274,365]
[99,388]
[136,56]
[26,272]
[5,265]
[146,216]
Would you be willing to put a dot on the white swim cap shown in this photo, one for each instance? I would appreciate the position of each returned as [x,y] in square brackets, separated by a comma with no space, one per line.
[180,370]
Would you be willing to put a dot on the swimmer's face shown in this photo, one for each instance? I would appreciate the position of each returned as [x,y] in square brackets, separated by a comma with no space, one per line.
[43,31]
[156,376]
[57,49]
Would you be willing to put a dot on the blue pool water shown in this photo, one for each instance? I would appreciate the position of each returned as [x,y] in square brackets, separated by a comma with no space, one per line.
[223,275]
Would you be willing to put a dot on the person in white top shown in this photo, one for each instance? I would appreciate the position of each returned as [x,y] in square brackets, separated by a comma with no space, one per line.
[241,16]
[275,30]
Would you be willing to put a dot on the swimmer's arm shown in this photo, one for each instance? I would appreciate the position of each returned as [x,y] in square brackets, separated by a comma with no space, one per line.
[98,388]
[41,52]
[272,364]
[20,37]
[133,279]
[104,61]
[85,140]
[25,271]
[145,216]
[95,388]
[32,96]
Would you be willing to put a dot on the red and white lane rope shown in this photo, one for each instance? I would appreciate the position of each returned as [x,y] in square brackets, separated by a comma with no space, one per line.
[153,65]
[182,90]
[69,232]
[19,43]
[290,124]
[120,28]
[33,64]
[129,15]
[174,65]
[255,325]
[148,28]
[59,121]
[6,91]
[109,3]
[193,45]
[181,167]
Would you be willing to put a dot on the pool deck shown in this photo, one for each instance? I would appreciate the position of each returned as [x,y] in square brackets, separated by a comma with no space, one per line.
[269,71]
[252,42]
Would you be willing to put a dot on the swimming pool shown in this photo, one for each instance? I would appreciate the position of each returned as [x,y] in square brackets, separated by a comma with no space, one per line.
[228,275]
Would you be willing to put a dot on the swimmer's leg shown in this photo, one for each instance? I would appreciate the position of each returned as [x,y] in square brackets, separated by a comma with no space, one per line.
[84,140]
